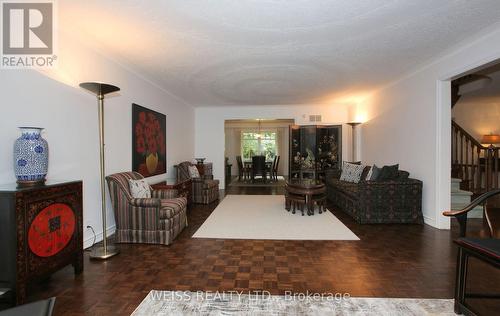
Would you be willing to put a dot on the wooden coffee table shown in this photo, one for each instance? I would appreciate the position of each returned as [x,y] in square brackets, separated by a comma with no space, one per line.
[307,188]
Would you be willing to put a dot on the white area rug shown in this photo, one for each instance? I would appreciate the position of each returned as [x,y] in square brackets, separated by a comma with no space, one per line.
[236,303]
[265,217]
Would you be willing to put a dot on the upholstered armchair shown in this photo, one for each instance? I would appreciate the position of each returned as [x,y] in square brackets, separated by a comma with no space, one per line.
[155,220]
[205,188]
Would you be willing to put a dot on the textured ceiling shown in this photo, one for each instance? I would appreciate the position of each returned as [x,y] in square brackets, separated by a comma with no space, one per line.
[263,52]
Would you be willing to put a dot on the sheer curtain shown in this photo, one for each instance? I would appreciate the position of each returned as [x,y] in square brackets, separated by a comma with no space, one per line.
[282,149]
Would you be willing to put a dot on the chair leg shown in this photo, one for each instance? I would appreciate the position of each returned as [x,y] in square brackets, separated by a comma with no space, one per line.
[461,280]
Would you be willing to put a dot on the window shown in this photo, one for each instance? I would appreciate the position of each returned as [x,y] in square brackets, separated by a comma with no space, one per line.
[254,144]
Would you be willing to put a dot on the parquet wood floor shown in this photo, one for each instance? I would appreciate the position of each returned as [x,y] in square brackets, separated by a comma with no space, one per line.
[389,261]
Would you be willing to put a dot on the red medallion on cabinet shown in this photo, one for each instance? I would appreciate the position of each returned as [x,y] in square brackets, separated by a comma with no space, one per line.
[51,230]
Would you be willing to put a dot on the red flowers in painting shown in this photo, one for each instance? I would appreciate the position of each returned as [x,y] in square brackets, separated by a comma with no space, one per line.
[149,137]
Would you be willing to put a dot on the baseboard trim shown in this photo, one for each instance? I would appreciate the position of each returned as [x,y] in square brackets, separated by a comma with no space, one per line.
[430,221]
[98,237]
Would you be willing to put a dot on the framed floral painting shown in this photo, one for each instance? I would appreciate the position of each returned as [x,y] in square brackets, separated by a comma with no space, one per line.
[149,146]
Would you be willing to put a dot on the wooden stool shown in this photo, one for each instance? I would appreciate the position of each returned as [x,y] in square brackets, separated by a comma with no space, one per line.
[294,201]
[319,200]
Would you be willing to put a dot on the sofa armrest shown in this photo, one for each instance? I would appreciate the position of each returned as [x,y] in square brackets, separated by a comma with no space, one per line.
[207,177]
[146,202]
[165,194]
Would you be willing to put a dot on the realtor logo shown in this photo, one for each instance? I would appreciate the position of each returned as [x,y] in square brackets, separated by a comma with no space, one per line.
[27,34]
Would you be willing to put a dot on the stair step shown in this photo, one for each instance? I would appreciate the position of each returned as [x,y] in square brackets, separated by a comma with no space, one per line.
[459,206]
[455,184]
[461,193]
[461,197]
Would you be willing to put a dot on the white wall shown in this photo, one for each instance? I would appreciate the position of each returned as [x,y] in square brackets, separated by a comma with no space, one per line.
[409,121]
[54,101]
[479,112]
[209,132]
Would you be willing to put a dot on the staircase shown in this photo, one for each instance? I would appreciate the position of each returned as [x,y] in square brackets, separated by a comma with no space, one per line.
[461,198]
[476,165]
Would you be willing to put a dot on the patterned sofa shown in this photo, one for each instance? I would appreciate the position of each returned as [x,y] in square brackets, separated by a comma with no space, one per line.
[373,202]
[205,188]
[156,220]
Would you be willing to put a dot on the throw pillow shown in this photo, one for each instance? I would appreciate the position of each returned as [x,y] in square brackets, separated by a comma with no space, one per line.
[139,189]
[374,173]
[366,172]
[389,173]
[403,175]
[351,172]
[193,172]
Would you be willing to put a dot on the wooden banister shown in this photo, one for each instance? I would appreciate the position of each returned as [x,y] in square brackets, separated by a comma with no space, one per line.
[468,136]
[476,165]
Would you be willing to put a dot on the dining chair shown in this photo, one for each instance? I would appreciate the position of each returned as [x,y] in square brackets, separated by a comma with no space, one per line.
[274,171]
[259,167]
[270,168]
[242,170]
[486,250]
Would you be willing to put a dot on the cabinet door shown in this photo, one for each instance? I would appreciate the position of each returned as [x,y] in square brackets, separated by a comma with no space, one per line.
[294,151]
[329,146]
[53,228]
[308,147]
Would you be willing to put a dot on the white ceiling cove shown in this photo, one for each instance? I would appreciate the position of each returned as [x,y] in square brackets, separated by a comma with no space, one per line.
[270,52]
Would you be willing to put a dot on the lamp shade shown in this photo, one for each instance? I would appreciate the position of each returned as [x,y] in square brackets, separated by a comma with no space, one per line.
[490,139]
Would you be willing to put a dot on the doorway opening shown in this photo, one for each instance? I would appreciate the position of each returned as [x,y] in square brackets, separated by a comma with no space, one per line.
[257,152]
[475,136]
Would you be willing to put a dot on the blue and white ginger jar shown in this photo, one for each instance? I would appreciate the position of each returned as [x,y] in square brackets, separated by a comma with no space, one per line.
[31,156]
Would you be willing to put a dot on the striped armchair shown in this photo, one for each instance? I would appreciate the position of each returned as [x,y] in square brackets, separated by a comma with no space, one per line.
[156,220]
[205,188]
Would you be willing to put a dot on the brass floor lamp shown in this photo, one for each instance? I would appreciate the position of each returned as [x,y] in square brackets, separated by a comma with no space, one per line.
[100,90]
[354,147]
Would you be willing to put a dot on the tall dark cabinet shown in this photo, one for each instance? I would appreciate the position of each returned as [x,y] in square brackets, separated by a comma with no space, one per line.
[314,149]
[40,232]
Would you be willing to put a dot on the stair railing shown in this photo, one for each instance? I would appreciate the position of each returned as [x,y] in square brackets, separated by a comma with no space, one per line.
[476,165]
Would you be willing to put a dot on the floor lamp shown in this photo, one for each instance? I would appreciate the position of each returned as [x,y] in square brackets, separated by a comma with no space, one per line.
[100,90]
[354,140]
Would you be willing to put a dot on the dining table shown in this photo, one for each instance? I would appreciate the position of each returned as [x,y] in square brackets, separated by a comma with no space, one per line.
[248,164]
